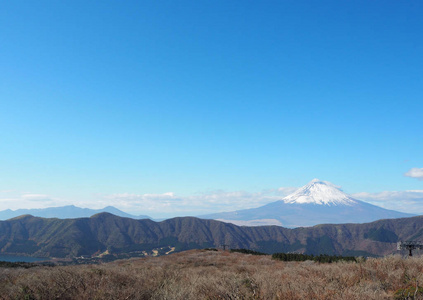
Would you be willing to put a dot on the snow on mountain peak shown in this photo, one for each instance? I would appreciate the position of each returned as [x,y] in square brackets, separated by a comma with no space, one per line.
[319,192]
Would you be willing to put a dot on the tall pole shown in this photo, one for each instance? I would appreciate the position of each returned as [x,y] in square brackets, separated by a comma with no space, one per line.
[410,246]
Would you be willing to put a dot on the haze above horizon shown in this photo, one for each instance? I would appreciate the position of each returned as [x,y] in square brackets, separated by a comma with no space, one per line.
[170,108]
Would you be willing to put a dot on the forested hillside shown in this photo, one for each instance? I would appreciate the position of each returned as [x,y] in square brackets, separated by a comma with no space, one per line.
[105,232]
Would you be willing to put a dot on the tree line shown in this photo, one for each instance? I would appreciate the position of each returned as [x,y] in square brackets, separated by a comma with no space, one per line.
[322,258]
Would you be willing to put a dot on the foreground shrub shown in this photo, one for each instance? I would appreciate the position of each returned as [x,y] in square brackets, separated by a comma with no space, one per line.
[199,274]
[410,292]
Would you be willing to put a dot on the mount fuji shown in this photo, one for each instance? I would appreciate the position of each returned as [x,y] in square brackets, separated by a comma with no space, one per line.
[317,202]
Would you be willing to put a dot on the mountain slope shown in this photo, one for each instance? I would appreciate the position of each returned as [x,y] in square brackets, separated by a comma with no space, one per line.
[319,192]
[65,212]
[315,203]
[74,237]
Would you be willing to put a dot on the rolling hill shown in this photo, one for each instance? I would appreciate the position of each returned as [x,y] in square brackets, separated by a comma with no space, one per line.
[28,235]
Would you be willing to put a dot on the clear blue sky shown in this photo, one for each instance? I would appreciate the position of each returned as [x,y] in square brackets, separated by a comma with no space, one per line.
[148,97]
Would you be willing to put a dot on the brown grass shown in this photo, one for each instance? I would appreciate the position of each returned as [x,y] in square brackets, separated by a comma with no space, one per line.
[201,274]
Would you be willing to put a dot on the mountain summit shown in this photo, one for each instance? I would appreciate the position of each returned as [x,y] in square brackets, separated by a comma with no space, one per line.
[319,192]
[317,202]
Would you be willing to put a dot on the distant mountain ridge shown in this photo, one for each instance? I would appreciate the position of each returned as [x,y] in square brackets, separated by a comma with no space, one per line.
[65,212]
[28,235]
[318,202]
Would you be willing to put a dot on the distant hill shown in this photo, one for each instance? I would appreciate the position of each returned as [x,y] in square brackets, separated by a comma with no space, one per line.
[317,202]
[43,237]
[65,212]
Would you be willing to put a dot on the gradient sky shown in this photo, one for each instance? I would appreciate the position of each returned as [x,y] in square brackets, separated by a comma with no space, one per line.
[102,101]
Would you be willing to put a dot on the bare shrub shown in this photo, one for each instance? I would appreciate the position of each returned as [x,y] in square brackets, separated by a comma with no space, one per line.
[200,274]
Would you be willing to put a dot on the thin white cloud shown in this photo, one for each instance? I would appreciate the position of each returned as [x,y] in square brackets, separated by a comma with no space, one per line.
[141,203]
[200,203]
[410,201]
[415,173]
[169,204]
[157,205]
[16,200]
[36,197]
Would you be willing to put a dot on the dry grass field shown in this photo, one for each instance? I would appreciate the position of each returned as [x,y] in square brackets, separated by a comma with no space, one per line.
[201,274]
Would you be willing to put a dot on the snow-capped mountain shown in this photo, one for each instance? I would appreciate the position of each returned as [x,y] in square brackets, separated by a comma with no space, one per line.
[315,203]
[319,192]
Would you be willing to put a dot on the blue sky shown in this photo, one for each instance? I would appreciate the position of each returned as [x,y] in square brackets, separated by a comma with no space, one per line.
[104,100]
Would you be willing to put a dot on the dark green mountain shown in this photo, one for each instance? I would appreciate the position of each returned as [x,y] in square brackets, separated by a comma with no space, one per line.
[36,236]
